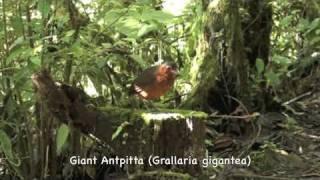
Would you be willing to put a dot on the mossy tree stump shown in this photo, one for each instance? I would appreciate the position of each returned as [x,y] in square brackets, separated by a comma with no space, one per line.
[130,132]
[164,133]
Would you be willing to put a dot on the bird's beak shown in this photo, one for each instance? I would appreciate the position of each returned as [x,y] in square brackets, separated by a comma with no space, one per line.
[175,73]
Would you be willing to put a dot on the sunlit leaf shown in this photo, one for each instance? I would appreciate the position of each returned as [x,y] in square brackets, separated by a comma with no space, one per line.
[282,60]
[156,15]
[146,29]
[44,7]
[107,45]
[259,65]
[129,26]
[70,33]
[62,135]
[113,16]
[17,42]
[119,130]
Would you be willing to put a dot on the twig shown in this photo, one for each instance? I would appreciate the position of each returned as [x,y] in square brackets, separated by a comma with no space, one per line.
[311,136]
[296,98]
[311,175]
[7,69]
[293,110]
[236,117]
[240,103]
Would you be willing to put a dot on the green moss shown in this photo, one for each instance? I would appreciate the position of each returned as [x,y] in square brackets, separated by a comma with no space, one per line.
[152,115]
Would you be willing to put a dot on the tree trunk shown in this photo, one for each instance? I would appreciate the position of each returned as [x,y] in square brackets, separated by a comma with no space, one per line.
[205,65]
[228,46]
[257,32]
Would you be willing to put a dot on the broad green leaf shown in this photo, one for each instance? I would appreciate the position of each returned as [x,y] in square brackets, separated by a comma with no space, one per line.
[101,63]
[19,53]
[6,148]
[68,36]
[44,7]
[315,24]
[129,26]
[146,29]
[21,77]
[315,41]
[272,78]
[303,25]
[113,16]
[35,60]
[62,135]
[17,42]
[156,15]
[138,60]
[77,50]
[259,65]
[281,60]
[19,50]
[70,33]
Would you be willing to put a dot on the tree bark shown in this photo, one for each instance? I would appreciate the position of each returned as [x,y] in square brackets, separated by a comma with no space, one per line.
[205,65]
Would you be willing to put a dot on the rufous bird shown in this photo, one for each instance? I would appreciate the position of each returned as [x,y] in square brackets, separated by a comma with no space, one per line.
[154,81]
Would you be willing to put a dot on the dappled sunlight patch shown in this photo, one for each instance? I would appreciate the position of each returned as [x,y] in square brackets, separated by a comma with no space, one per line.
[171,115]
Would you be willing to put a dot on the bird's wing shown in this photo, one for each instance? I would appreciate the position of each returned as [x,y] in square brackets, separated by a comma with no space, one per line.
[147,77]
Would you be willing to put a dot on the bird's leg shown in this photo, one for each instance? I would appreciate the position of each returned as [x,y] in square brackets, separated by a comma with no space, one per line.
[134,102]
[149,105]
[138,103]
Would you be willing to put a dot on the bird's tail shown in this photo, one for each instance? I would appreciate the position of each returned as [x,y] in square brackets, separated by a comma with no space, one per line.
[131,90]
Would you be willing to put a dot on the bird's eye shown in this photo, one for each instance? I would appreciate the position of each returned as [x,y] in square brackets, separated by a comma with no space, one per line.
[167,68]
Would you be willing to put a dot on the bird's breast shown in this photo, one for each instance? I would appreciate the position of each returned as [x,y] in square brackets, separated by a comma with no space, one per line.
[156,89]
